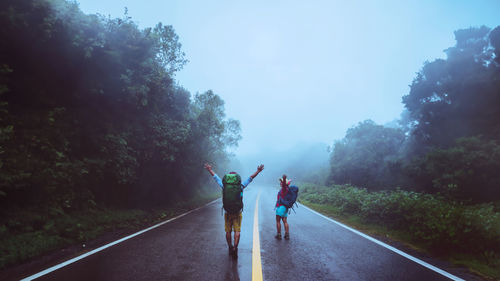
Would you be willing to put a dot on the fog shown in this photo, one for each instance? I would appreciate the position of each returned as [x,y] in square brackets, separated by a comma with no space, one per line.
[386,117]
[298,74]
[301,162]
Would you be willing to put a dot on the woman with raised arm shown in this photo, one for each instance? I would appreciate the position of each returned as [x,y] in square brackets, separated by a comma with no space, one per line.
[281,209]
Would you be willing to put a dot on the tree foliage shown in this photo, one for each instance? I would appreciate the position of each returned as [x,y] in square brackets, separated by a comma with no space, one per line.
[366,156]
[449,132]
[458,96]
[91,114]
[467,170]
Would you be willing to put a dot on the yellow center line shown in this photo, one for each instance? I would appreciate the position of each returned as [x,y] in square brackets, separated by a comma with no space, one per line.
[256,262]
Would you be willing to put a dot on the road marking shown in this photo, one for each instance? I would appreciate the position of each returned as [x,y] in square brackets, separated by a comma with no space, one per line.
[256,262]
[56,267]
[412,258]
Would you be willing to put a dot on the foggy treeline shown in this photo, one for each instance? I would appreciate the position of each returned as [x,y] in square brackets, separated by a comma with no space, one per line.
[431,178]
[90,112]
[447,140]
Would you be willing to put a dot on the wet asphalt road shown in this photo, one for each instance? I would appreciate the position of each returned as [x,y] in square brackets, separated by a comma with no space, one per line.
[193,247]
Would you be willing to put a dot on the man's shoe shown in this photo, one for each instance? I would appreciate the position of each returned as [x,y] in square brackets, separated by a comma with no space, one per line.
[278,236]
[287,236]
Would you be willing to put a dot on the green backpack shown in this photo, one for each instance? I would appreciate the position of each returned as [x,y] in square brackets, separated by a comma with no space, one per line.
[231,194]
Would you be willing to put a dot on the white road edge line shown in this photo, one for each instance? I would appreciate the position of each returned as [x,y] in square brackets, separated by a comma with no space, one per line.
[63,264]
[412,258]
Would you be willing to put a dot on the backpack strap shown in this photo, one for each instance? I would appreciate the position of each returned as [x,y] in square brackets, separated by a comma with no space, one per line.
[292,208]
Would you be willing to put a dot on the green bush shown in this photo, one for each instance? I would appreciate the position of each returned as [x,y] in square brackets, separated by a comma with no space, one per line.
[16,248]
[438,223]
[466,171]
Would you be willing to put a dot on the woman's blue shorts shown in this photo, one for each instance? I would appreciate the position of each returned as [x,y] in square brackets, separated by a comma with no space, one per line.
[282,211]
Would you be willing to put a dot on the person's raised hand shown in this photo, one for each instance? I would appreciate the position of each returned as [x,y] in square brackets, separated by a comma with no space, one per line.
[208,166]
[260,167]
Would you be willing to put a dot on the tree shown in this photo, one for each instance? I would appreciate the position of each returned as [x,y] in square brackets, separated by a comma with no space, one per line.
[457,96]
[90,112]
[367,156]
[466,171]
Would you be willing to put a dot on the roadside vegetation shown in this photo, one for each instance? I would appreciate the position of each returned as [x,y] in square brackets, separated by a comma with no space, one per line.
[464,234]
[29,234]
[447,140]
[95,132]
[431,177]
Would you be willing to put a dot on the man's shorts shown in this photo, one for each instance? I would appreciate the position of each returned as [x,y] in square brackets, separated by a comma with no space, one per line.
[282,211]
[232,222]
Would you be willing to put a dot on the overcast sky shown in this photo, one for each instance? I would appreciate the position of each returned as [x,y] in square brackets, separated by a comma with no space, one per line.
[305,71]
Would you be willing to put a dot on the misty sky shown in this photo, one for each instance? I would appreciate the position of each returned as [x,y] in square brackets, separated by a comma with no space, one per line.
[305,71]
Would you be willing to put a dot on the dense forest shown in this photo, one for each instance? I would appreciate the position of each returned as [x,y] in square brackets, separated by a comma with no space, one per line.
[429,178]
[447,140]
[91,114]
